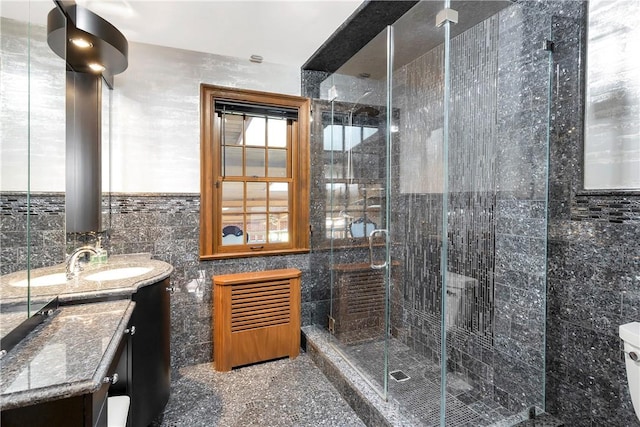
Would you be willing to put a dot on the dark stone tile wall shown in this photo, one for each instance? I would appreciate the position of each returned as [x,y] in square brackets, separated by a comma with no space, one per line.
[45,213]
[518,363]
[165,225]
[593,259]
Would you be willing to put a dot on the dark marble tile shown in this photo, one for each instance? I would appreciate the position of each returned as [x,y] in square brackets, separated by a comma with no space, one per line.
[566,402]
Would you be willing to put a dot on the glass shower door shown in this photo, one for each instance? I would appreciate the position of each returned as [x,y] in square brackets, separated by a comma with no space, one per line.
[356,158]
[496,109]
[471,90]
[436,134]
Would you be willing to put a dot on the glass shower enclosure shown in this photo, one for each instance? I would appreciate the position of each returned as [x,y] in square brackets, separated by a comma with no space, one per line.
[435,164]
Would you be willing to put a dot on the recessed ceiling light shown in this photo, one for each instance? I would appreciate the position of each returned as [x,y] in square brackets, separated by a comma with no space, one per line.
[81,43]
[98,68]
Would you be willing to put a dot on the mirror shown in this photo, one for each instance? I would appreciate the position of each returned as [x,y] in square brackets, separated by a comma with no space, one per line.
[55,134]
[612,106]
[32,147]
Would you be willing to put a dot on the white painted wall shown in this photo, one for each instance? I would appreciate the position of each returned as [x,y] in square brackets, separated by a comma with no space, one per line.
[156,119]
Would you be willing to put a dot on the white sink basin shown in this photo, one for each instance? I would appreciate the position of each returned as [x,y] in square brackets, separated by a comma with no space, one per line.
[48,280]
[118,273]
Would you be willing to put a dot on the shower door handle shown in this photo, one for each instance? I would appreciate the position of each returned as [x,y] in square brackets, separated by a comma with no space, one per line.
[371,236]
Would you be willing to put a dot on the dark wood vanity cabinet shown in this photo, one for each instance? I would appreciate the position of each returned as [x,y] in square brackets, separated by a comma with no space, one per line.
[142,364]
[146,359]
[148,353]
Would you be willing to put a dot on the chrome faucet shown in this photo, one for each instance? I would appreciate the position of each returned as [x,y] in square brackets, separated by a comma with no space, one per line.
[73,266]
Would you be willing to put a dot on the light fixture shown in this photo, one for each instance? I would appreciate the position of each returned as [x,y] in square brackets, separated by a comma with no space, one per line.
[81,43]
[98,68]
[87,39]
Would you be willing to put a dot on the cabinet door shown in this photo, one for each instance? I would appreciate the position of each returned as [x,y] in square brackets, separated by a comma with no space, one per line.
[149,352]
[88,410]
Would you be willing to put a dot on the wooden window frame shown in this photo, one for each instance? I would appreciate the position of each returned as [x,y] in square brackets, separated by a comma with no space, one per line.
[210,195]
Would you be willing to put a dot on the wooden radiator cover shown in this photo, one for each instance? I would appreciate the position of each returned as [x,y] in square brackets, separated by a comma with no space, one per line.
[358,303]
[256,317]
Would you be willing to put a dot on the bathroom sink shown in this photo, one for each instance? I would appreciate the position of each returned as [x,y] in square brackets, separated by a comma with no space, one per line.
[118,273]
[48,280]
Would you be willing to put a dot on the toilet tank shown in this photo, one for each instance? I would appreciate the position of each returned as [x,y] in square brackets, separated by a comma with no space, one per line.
[630,334]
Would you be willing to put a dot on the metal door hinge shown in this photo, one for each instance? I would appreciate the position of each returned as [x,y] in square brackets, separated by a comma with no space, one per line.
[332,325]
[446,15]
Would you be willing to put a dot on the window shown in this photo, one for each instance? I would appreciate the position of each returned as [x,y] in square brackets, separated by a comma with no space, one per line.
[254,173]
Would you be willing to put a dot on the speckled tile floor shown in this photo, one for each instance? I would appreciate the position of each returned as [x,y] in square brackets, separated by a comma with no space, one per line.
[279,393]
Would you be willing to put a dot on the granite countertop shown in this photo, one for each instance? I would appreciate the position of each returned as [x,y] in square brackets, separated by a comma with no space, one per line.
[67,355]
[13,290]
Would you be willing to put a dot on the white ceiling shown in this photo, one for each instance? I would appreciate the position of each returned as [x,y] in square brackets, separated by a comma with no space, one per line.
[284,32]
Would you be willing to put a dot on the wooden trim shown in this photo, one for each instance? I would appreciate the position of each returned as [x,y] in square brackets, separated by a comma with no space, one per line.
[302,183]
[223,255]
[251,277]
[206,173]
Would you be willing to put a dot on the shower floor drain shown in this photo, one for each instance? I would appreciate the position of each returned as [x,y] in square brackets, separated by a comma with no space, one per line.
[399,376]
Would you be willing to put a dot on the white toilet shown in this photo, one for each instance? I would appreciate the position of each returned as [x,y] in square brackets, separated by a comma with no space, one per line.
[630,334]
[459,290]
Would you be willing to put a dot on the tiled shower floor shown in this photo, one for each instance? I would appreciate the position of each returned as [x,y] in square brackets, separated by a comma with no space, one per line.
[279,393]
[415,402]
[419,396]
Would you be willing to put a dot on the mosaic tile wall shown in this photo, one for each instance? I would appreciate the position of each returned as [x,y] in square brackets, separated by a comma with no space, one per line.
[611,208]
[593,263]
